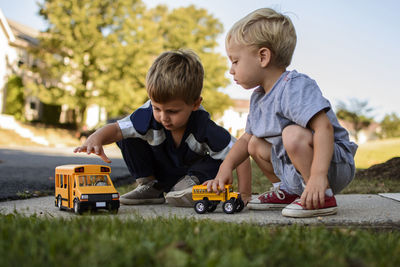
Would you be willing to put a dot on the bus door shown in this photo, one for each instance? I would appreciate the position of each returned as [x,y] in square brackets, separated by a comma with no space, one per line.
[69,189]
[64,190]
[74,182]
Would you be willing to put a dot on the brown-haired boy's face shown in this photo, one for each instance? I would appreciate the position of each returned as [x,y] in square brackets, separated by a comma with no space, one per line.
[174,114]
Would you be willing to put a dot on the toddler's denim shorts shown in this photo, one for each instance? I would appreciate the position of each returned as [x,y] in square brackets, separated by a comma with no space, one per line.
[341,171]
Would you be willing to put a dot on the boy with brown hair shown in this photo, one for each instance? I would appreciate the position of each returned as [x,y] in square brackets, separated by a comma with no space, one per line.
[292,132]
[170,143]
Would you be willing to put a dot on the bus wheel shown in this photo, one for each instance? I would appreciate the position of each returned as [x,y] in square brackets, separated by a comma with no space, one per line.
[213,205]
[59,202]
[114,211]
[200,206]
[229,206]
[77,207]
[111,209]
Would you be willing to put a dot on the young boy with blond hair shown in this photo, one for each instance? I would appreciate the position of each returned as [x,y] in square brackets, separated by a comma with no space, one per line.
[292,132]
[170,143]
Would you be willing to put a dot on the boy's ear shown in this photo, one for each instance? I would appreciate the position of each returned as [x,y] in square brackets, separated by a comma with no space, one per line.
[197,103]
[265,56]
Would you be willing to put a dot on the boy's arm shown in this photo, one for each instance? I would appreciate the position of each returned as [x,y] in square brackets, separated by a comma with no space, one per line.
[108,134]
[244,180]
[237,155]
[323,143]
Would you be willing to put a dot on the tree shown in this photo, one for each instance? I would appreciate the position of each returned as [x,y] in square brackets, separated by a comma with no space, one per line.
[15,98]
[356,112]
[196,29]
[99,51]
[390,126]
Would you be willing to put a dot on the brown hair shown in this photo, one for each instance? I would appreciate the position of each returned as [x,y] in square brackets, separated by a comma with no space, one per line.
[175,74]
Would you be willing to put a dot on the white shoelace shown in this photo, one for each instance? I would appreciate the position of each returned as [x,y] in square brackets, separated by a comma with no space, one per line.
[279,194]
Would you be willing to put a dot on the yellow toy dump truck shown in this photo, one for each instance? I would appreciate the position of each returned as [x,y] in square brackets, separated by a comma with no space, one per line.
[83,187]
[208,201]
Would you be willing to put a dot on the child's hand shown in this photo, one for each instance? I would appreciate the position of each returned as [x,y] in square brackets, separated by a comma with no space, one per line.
[214,186]
[313,196]
[211,184]
[91,146]
[224,176]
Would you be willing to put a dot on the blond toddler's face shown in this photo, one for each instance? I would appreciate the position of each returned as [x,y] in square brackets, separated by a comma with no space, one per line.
[174,114]
[246,65]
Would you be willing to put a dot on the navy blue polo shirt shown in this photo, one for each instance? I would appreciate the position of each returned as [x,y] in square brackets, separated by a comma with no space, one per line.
[203,147]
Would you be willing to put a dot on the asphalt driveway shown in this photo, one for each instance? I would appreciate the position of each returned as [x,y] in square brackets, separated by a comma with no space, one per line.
[26,170]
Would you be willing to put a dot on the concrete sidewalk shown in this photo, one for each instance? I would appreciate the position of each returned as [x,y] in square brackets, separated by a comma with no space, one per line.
[354,210]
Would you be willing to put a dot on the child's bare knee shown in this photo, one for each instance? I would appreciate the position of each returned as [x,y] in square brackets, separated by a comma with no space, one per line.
[252,146]
[296,138]
[258,148]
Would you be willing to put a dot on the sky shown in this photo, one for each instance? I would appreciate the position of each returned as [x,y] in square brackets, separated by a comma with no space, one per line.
[351,48]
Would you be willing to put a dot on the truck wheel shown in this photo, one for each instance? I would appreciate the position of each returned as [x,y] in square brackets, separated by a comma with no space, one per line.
[201,206]
[59,200]
[229,206]
[77,207]
[212,206]
[239,205]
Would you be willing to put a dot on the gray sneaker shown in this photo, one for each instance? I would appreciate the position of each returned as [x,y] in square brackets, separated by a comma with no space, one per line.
[181,194]
[144,193]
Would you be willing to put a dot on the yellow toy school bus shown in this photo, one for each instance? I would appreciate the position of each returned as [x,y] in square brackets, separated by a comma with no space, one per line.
[82,187]
[208,201]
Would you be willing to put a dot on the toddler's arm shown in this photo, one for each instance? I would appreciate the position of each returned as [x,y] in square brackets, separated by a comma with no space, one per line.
[244,180]
[323,140]
[237,157]
[108,134]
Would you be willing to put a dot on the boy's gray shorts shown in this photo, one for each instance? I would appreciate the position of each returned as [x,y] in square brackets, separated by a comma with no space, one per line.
[340,174]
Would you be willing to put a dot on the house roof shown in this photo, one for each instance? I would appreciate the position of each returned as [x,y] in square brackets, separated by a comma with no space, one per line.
[24,35]
[6,28]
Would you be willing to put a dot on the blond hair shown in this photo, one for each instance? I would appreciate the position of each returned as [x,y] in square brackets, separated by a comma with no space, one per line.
[175,75]
[266,28]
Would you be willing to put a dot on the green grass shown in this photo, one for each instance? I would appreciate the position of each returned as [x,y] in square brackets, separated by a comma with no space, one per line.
[109,241]
[372,186]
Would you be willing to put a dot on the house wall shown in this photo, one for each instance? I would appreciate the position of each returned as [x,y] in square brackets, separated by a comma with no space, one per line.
[95,115]
[8,57]
[234,119]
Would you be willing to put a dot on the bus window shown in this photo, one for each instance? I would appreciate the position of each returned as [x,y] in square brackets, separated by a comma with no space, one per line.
[98,180]
[93,180]
[82,180]
[101,180]
[61,181]
[65,181]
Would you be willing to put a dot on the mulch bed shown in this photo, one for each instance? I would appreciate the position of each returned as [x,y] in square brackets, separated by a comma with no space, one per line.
[387,170]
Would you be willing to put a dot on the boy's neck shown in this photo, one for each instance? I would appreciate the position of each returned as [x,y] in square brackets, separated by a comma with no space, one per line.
[177,136]
[272,75]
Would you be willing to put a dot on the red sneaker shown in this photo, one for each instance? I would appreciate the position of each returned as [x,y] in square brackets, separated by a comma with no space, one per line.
[298,211]
[273,199]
